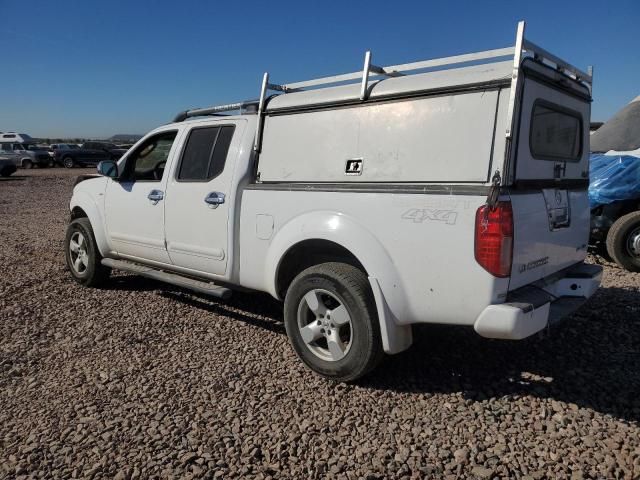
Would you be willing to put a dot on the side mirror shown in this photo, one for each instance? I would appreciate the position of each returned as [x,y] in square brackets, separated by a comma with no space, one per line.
[108,168]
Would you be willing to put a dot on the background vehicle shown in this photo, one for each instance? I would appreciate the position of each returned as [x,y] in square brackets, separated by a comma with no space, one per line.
[614,192]
[7,167]
[61,146]
[23,151]
[90,153]
[361,207]
[115,151]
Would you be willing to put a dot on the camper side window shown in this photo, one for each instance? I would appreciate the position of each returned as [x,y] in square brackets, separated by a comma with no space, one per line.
[555,133]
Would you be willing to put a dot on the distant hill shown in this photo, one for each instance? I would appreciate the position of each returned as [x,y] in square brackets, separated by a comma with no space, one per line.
[125,138]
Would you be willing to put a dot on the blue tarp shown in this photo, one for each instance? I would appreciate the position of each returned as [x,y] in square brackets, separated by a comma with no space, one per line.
[613,178]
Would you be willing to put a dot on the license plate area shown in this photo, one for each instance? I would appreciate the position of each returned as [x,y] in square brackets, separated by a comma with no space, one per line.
[558,208]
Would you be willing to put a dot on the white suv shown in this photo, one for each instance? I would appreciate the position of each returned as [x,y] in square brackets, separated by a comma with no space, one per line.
[456,196]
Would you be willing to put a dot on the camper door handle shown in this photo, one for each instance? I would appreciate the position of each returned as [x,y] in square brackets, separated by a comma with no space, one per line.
[214,199]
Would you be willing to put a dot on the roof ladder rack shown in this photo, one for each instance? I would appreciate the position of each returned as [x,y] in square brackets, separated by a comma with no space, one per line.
[517,52]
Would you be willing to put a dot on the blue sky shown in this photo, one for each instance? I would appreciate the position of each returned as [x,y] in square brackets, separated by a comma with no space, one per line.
[96,68]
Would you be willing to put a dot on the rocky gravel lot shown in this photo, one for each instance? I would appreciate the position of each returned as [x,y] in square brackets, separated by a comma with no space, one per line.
[143,380]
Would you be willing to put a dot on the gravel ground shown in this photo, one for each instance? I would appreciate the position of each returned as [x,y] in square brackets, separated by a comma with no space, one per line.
[142,380]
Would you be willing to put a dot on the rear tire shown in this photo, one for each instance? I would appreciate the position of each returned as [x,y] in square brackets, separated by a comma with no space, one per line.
[623,241]
[331,305]
[82,255]
[68,162]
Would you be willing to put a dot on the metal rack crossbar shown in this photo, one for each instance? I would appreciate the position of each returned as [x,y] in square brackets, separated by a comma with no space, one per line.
[523,48]
[217,110]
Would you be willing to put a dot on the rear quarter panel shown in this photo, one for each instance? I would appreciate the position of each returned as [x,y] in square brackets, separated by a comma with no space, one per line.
[420,247]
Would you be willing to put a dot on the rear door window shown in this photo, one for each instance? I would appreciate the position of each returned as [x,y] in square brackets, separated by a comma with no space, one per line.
[556,133]
[205,153]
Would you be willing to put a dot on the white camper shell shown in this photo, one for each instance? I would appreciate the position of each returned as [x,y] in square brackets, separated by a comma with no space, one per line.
[448,191]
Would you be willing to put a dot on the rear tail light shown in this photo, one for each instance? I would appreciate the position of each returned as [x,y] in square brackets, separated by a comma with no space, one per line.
[494,238]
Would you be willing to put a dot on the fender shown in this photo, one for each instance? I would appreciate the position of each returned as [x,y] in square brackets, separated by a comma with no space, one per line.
[348,233]
[86,202]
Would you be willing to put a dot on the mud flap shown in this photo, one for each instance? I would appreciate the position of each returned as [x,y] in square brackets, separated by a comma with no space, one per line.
[395,338]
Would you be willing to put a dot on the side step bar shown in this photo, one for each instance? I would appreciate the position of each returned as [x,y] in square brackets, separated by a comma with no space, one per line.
[206,288]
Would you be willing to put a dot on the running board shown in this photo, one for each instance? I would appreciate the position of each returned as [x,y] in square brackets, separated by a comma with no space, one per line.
[206,288]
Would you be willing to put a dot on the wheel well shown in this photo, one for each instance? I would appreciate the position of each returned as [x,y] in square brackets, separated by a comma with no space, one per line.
[308,253]
[77,212]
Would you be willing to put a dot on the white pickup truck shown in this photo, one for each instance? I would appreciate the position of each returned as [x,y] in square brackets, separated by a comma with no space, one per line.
[449,191]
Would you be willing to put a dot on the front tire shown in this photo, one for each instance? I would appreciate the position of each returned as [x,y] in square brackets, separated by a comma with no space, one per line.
[623,241]
[68,162]
[27,164]
[82,255]
[332,323]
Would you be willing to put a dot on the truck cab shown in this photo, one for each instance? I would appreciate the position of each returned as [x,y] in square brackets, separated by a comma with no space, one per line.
[419,195]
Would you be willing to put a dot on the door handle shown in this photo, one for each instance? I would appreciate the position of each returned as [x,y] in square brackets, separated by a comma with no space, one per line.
[214,199]
[155,196]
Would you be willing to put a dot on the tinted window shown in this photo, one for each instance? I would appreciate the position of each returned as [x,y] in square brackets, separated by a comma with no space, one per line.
[6,147]
[205,153]
[149,159]
[556,134]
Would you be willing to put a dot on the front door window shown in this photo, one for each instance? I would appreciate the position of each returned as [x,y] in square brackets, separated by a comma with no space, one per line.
[148,161]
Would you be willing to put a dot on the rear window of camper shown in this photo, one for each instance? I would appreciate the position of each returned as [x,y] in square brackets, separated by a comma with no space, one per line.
[556,133]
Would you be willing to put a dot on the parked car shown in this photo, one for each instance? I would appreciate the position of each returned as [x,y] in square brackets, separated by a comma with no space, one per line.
[23,151]
[90,153]
[366,207]
[115,151]
[614,192]
[61,146]
[614,195]
[7,167]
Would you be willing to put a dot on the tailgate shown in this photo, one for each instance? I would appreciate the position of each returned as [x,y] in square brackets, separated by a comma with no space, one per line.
[540,249]
[549,196]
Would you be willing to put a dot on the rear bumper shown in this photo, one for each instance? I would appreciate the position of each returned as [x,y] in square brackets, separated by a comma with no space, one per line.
[530,309]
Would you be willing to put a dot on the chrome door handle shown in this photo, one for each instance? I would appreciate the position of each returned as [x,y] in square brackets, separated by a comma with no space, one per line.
[155,196]
[214,199]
